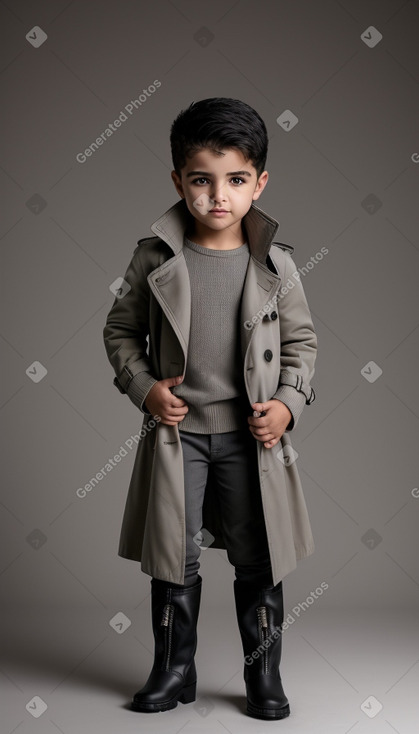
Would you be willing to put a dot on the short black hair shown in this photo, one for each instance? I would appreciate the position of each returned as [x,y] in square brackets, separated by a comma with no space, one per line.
[219,123]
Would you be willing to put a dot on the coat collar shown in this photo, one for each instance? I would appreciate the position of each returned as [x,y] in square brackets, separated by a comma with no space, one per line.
[260,229]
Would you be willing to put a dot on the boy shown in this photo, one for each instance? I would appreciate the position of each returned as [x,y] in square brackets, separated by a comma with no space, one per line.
[222,381]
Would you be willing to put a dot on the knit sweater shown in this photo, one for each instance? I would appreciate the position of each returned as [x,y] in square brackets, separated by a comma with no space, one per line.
[213,385]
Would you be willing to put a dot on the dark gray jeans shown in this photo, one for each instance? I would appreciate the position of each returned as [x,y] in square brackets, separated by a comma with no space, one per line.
[232,459]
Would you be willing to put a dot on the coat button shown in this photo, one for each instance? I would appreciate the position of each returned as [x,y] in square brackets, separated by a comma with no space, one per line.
[274,315]
[268,355]
[265,317]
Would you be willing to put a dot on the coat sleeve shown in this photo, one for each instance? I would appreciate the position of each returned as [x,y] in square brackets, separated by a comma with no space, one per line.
[125,336]
[298,343]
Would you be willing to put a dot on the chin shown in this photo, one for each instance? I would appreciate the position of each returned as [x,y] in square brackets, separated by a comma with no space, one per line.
[218,226]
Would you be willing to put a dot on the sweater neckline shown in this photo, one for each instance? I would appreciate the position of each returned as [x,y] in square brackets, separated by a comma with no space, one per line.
[242,250]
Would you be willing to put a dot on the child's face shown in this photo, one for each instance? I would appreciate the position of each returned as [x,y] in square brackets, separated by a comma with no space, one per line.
[227,183]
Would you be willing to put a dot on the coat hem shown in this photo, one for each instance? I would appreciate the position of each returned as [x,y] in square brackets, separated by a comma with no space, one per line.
[304,551]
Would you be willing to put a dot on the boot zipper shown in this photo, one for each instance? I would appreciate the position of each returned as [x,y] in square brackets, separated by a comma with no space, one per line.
[263,633]
[167,623]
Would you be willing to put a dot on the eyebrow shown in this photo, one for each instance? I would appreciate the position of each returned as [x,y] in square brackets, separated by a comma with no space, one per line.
[232,173]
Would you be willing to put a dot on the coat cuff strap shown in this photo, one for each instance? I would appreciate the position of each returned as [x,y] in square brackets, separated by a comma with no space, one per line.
[129,371]
[294,380]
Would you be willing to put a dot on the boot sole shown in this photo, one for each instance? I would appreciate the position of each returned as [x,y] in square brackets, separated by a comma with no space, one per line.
[186,695]
[261,713]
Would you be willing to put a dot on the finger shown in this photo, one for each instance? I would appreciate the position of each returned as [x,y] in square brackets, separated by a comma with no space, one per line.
[263,431]
[181,410]
[176,418]
[270,444]
[269,435]
[258,406]
[176,402]
[266,436]
[260,427]
[258,422]
[259,438]
[170,382]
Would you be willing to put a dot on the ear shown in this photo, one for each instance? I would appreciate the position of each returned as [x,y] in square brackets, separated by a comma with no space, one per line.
[178,184]
[261,183]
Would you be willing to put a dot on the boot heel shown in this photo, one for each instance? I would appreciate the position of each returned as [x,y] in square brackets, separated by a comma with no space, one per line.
[188,694]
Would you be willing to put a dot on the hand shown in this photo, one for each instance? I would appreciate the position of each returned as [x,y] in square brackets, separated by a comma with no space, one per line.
[270,427]
[161,401]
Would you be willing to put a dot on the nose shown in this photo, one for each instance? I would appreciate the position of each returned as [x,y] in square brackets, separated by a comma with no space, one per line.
[218,192]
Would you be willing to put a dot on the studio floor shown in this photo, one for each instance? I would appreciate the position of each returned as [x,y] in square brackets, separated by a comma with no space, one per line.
[71,671]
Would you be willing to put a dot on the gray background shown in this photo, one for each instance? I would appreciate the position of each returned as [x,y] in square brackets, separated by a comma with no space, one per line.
[345,177]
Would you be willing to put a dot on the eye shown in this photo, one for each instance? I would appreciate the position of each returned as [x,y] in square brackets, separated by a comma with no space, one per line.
[201,181]
[237,180]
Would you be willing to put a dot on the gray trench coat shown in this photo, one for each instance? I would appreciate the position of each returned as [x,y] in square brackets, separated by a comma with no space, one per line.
[278,347]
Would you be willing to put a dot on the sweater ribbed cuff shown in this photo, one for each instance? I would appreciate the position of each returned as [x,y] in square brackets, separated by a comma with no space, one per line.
[138,389]
[294,400]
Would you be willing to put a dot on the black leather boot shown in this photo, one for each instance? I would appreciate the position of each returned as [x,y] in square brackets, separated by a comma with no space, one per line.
[172,678]
[260,614]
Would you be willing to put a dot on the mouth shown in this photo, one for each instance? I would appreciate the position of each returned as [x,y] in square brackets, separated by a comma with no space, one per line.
[218,211]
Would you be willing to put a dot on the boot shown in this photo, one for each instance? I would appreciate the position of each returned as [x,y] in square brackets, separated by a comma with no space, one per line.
[172,678]
[260,614]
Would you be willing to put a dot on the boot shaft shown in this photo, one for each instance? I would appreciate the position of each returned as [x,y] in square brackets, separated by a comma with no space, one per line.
[260,615]
[174,612]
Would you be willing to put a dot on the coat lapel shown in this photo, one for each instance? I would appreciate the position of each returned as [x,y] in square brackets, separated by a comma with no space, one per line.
[171,287]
